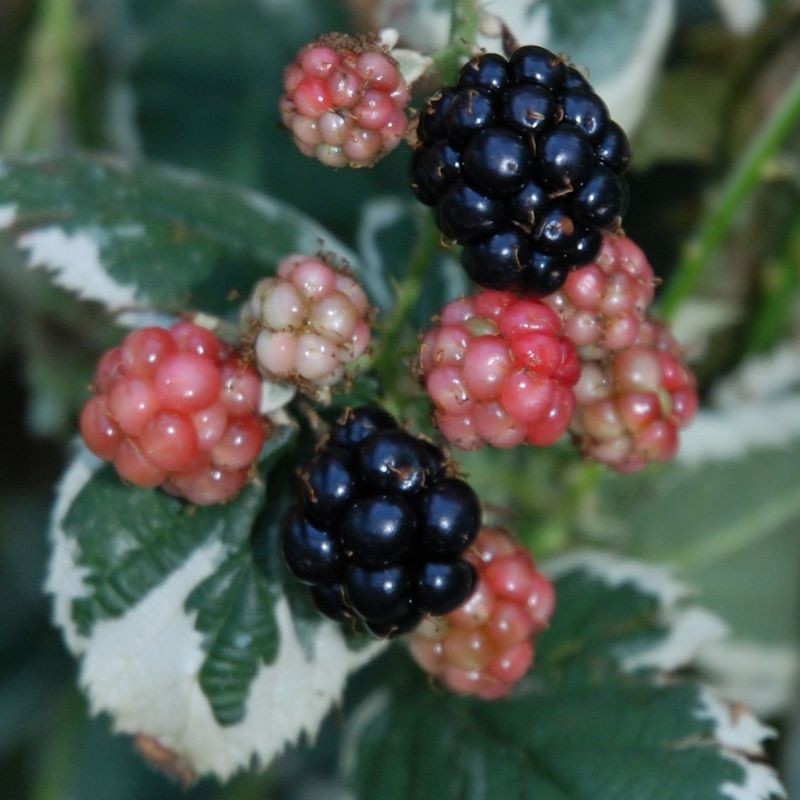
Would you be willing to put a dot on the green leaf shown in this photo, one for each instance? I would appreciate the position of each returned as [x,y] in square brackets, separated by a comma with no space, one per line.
[130,539]
[201,652]
[580,726]
[131,236]
[723,526]
[235,613]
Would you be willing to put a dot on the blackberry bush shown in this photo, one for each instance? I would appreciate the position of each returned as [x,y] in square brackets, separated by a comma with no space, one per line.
[223,558]
[381,527]
[523,166]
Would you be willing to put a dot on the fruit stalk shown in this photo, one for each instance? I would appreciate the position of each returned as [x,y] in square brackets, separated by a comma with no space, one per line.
[386,363]
[465,18]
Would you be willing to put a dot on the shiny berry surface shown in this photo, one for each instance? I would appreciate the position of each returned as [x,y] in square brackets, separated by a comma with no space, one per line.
[175,408]
[381,527]
[344,101]
[438,585]
[489,72]
[309,323]
[497,160]
[631,406]
[499,260]
[486,646]
[521,145]
[499,371]
[310,552]
[603,305]
[377,530]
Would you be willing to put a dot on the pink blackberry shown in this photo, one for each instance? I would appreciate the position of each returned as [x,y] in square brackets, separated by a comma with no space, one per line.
[175,408]
[499,371]
[604,304]
[485,646]
[632,405]
[344,101]
[310,322]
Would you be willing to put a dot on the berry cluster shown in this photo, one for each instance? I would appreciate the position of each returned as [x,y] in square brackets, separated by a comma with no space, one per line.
[310,322]
[604,304]
[485,647]
[499,371]
[175,408]
[381,527]
[344,101]
[631,405]
[523,165]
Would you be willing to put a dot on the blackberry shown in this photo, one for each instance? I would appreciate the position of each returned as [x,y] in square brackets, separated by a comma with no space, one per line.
[381,525]
[523,167]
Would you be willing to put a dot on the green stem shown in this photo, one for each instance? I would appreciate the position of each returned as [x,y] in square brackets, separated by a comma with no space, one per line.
[465,17]
[45,96]
[464,21]
[387,362]
[779,287]
[747,174]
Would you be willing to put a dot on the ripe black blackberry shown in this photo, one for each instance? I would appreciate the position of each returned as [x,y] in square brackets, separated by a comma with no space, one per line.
[380,527]
[524,168]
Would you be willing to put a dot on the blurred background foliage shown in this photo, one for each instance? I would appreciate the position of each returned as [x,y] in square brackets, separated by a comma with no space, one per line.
[715,205]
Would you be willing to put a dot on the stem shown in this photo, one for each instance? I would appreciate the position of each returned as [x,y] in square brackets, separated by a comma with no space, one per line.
[45,95]
[745,177]
[781,281]
[386,364]
[464,21]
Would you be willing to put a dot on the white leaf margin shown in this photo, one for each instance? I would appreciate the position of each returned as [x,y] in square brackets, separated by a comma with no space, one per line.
[738,734]
[143,668]
[764,674]
[74,259]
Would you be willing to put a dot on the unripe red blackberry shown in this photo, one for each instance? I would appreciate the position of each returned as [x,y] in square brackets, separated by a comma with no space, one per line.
[632,405]
[344,101]
[604,304]
[380,526]
[523,166]
[499,371]
[175,408]
[485,647]
[310,322]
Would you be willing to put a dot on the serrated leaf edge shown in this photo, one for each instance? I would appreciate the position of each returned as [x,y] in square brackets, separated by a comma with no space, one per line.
[65,580]
[143,668]
[738,734]
[74,259]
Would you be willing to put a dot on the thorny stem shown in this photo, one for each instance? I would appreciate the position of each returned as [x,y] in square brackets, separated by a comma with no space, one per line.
[465,17]
[45,96]
[387,363]
[464,21]
[746,175]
